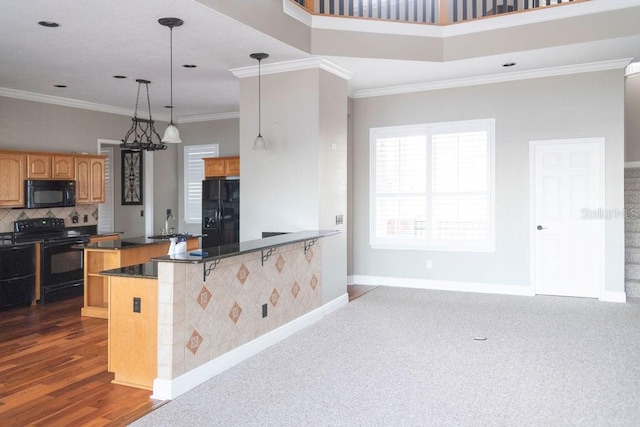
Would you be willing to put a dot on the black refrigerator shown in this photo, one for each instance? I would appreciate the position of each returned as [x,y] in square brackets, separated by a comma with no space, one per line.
[220,212]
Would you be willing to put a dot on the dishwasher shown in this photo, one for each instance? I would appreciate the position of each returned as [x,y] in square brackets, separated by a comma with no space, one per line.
[17,275]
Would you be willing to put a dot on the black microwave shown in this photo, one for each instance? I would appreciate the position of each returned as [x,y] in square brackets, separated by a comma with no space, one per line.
[49,194]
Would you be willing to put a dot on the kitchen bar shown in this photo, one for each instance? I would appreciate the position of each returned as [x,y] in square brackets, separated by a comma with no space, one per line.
[184,318]
[111,254]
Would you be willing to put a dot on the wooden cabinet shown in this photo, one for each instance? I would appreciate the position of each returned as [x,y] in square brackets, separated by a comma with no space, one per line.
[96,286]
[50,166]
[89,179]
[133,336]
[38,166]
[221,166]
[12,176]
[63,167]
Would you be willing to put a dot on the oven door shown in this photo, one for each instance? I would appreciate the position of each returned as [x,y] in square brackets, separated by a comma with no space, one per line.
[62,270]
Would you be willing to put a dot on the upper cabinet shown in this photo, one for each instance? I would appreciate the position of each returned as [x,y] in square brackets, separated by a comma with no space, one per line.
[17,166]
[12,176]
[221,166]
[50,166]
[38,166]
[63,167]
[89,179]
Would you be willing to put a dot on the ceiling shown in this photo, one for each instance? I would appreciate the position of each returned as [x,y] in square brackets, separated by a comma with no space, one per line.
[97,40]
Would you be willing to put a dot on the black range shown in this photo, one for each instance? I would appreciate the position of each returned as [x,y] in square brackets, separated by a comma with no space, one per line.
[61,264]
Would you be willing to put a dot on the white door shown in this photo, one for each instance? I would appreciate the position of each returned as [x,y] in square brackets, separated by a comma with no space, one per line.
[567,191]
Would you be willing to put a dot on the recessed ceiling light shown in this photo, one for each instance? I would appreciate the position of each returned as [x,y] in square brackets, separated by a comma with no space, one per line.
[508,64]
[119,77]
[60,85]
[189,66]
[49,24]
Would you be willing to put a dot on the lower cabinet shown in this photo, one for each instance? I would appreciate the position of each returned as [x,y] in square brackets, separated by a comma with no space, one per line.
[133,331]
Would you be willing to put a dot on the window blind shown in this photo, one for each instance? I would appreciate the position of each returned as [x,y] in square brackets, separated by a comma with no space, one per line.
[193,176]
[432,186]
[105,210]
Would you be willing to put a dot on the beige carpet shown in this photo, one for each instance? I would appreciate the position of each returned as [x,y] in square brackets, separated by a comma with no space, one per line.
[398,357]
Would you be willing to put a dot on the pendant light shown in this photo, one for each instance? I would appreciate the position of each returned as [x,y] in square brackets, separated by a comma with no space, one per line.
[259,143]
[171,134]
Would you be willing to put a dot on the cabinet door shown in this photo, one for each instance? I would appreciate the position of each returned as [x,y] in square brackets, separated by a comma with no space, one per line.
[214,167]
[83,180]
[232,166]
[38,166]
[97,180]
[63,167]
[12,176]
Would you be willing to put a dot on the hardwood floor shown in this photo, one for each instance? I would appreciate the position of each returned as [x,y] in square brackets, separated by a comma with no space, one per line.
[53,370]
[356,291]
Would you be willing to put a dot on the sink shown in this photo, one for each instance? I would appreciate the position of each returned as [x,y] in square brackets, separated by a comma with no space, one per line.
[168,236]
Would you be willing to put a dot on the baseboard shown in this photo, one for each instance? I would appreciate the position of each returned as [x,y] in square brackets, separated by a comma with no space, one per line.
[614,296]
[444,285]
[170,389]
[335,304]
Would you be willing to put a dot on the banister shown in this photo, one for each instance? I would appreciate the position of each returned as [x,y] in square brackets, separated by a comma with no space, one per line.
[438,12]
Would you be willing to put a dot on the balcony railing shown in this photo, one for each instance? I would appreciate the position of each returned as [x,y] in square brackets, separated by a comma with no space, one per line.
[438,12]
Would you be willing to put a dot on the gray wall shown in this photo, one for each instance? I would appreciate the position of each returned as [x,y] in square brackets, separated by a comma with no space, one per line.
[300,181]
[580,105]
[632,118]
[225,133]
[28,125]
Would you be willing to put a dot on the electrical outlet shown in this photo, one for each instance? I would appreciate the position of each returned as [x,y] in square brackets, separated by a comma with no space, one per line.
[136,304]
[142,212]
[85,218]
[264,310]
[339,219]
[429,264]
[74,219]
[168,212]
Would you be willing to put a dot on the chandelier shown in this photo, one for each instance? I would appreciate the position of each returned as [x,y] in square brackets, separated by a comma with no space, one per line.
[142,131]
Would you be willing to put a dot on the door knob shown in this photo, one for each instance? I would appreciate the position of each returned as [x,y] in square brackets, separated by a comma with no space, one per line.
[541,227]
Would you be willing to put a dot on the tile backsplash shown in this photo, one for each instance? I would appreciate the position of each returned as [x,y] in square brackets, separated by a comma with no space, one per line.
[8,216]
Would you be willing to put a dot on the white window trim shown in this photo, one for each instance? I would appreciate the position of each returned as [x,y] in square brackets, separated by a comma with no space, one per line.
[213,150]
[429,129]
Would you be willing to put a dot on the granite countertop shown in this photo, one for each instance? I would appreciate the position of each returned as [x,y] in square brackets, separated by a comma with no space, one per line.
[132,242]
[226,251]
[148,270]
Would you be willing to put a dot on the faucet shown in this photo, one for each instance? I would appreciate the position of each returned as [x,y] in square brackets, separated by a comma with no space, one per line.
[167,231]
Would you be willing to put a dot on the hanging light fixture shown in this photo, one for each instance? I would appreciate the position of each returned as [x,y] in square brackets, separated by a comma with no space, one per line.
[142,130]
[171,134]
[259,143]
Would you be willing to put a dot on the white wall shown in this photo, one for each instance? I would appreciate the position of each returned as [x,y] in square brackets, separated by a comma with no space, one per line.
[580,105]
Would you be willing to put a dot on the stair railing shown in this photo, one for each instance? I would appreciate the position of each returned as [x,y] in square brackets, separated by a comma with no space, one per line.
[438,12]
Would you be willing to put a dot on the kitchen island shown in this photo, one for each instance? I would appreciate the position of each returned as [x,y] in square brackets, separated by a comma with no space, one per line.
[184,318]
[105,255]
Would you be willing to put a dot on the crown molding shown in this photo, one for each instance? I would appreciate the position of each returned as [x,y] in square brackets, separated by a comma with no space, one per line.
[74,103]
[209,117]
[496,78]
[295,65]
[633,70]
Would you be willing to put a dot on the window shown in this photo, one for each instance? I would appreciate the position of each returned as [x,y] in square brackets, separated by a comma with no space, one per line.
[432,186]
[193,176]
